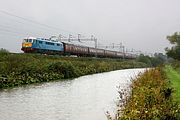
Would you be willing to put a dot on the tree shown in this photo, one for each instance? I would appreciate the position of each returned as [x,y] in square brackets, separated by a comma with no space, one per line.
[144,59]
[158,59]
[174,51]
[2,50]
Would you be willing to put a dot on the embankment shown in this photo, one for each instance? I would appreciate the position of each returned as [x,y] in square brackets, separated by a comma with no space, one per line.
[173,75]
[20,69]
[150,98]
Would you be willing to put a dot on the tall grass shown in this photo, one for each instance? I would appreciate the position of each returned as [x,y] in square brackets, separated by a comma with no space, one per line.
[150,99]
[174,77]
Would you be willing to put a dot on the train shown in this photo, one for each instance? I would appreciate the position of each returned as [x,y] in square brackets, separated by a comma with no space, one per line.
[49,46]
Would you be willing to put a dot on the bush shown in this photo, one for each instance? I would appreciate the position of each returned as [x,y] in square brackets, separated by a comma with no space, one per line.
[18,69]
[65,68]
[150,99]
[3,51]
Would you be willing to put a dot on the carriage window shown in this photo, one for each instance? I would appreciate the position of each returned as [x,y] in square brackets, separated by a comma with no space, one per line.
[40,42]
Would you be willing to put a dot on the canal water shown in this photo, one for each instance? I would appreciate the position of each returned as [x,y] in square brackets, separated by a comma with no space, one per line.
[83,98]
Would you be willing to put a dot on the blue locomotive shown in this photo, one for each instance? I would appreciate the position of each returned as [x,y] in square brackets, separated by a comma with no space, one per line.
[49,46]
[41,45]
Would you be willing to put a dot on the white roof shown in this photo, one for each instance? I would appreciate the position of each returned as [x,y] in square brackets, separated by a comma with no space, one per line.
[87,43]
[29,38]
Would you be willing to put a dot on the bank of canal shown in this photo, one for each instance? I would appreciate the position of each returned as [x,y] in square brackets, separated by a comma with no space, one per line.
[22,69]
[84,98]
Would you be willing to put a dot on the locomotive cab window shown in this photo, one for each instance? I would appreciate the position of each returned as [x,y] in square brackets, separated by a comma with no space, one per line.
[25,40]
[30,40]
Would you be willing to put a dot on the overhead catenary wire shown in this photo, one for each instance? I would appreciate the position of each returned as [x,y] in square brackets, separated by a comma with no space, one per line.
[15,24]
[32,22]
[11,28]
[11,31]
[22,30]
[27,28]
[35,22]
[24,24]
[6,30]
[10,34]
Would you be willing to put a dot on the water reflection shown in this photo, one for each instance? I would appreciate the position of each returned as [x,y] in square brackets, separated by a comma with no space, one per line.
[84,98]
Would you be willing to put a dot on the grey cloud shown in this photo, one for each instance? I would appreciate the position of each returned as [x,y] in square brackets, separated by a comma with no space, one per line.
[139,24]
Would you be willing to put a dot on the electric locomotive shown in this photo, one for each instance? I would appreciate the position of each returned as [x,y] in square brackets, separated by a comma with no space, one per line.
[41,45]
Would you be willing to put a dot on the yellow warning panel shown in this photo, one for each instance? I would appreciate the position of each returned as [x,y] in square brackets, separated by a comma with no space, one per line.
[27,45]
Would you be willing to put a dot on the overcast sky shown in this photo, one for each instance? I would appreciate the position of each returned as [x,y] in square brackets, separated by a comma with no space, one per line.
[138,24]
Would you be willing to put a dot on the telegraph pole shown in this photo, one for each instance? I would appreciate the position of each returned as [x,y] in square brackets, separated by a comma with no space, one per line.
[69,39]
[79,35]
[95,40]
[60,37]
[123,52]
[113,45]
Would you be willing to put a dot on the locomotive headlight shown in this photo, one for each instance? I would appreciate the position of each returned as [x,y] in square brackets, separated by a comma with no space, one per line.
[27,45]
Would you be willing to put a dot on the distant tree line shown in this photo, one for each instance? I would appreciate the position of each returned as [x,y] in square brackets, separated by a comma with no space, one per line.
[3,51]
[174,51]
[158,59]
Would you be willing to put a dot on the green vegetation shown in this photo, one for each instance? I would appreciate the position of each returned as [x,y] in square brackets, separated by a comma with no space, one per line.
[173,72]
[155,94]
[3,51]
[150,99]
[174,77]
[19,69]
[174,52]
[158,59]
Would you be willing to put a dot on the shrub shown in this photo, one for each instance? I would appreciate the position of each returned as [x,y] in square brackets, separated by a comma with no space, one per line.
[65,68]
[18,69]
[3,51]
[150,99]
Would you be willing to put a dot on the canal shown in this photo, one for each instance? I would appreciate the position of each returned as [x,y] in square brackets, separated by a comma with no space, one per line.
[83,98]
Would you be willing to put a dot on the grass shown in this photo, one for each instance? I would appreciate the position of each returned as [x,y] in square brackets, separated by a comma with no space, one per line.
[174,77]
[150,98]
